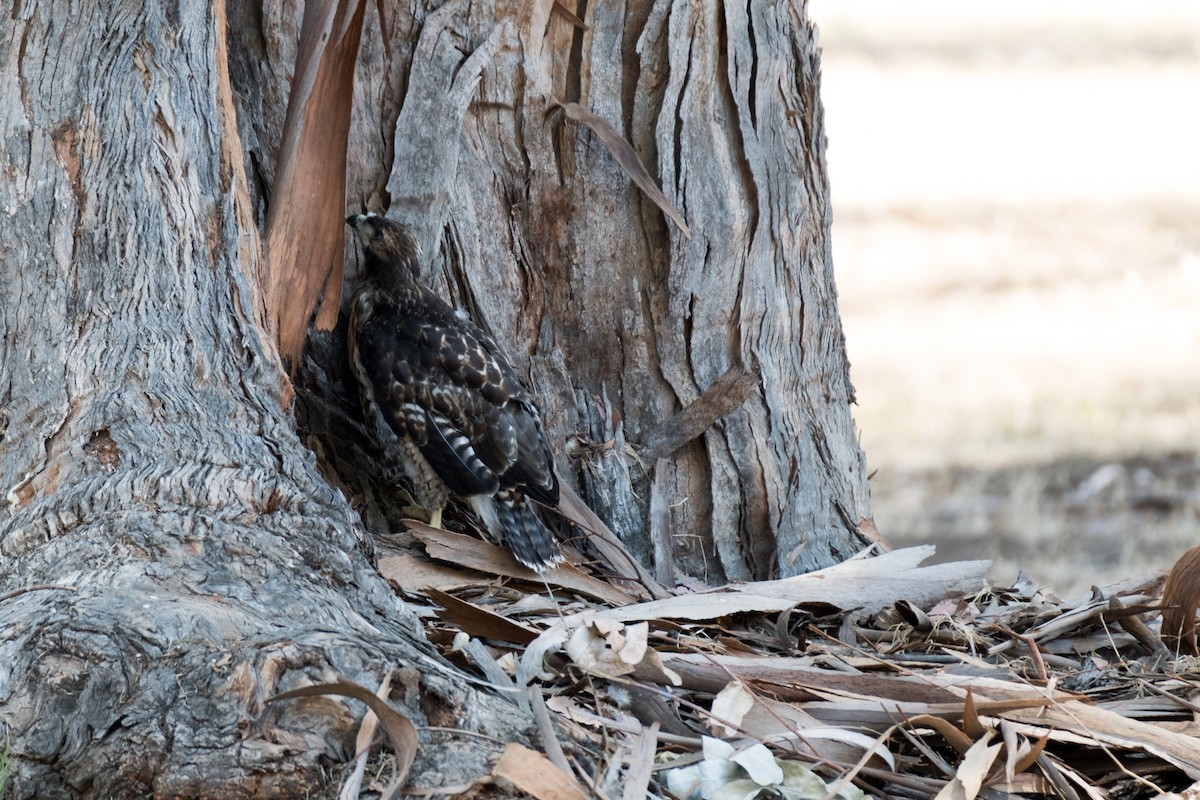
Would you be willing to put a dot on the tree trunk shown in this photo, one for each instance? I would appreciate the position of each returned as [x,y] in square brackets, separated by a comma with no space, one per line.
[149,465]
[531,223]
[147,462]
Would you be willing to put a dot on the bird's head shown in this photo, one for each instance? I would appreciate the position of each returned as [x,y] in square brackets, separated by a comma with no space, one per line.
[386,243]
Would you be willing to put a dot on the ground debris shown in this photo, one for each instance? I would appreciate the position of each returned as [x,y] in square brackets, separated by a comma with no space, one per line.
[899,680]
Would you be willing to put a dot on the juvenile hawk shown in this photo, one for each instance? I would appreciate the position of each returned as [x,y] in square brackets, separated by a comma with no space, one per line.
[440,390]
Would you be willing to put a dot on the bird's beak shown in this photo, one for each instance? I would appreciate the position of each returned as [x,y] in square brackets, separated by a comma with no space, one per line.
[355,221]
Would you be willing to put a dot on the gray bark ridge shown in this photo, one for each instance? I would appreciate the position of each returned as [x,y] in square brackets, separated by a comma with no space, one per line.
[146,464]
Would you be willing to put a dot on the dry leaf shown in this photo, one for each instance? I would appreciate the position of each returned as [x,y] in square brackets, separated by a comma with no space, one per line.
[1080,723]
[401,733]
[729,706]
[953,736]
[1060,773]
[532,773]
[611,649]
[776,722]
[627,157]
[618,720]
[1027,760]
[469,552]
[1181,597]
[971,724]
[602,647]
[606,648]
[975,766]
[533,660]
[866,529]
[362,745]
[912,615]
[611,548]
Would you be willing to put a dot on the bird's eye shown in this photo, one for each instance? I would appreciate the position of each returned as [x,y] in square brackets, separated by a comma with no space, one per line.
[378,237]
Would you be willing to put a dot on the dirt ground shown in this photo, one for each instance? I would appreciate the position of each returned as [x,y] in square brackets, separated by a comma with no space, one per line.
[1017,247]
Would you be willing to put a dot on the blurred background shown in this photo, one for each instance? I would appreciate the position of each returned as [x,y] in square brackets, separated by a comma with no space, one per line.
[1016,240]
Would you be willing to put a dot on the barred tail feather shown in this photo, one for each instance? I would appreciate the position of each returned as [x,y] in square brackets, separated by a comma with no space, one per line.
[524,532]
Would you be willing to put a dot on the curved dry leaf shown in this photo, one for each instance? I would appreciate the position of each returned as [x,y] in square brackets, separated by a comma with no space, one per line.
[935,760]
[1078,723]
[1181,596]
[913,615]
[1059,774]
[953,736]
[533,660]
[627,158]
[362,745]
[971,724]
[976,764]
[731,706]
[400,731]
[607,544]
[1028,760]
[1015,747]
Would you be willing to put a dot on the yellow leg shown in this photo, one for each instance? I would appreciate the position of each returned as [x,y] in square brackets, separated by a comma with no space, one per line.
[435,518]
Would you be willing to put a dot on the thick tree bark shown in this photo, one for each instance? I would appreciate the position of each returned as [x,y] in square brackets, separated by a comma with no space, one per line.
[150,466]
[147,463]
[531,223]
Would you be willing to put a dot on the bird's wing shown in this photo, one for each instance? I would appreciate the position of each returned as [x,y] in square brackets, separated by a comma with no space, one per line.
[532,470]
[444,384]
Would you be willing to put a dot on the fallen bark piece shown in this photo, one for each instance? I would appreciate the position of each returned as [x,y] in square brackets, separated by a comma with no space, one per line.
[641,764]
[870,584]
[627,157]
[1088,725]
[469,552]
[479,622]
[413,575]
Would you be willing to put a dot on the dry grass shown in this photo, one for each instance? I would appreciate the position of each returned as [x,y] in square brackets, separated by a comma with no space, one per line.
[1017,244]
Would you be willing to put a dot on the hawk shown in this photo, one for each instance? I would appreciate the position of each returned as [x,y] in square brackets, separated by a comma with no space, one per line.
[439,393]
